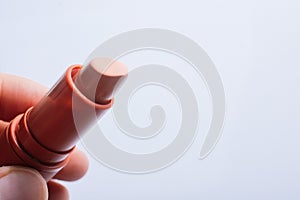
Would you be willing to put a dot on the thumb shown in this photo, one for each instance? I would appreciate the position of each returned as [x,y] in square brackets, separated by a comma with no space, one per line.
[22,183]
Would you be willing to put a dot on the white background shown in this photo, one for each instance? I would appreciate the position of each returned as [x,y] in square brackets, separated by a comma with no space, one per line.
[255,45]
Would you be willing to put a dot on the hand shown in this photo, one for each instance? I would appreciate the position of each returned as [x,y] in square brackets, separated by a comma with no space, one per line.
[16,96]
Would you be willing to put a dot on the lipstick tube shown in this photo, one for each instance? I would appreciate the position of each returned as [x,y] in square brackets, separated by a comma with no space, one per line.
[45,135]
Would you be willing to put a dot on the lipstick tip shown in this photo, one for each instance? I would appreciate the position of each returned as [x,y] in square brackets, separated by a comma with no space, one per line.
[108,67]
[100,78]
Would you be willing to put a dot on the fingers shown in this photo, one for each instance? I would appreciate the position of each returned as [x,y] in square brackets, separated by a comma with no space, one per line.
[57,191]
[17,95]
[76,168]
[27,184]
[22,183]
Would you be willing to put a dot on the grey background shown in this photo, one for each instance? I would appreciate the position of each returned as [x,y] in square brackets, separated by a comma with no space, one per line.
[255,46]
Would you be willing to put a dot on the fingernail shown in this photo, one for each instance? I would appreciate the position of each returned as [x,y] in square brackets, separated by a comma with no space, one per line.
[21,183]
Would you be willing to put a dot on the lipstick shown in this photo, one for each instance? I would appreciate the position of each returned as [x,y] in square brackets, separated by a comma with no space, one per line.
[44,136]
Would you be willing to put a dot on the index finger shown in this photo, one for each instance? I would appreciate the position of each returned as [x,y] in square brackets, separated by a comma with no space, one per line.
[17,94]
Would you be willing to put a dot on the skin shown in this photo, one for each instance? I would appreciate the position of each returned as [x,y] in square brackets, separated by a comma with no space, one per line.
[16,96]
